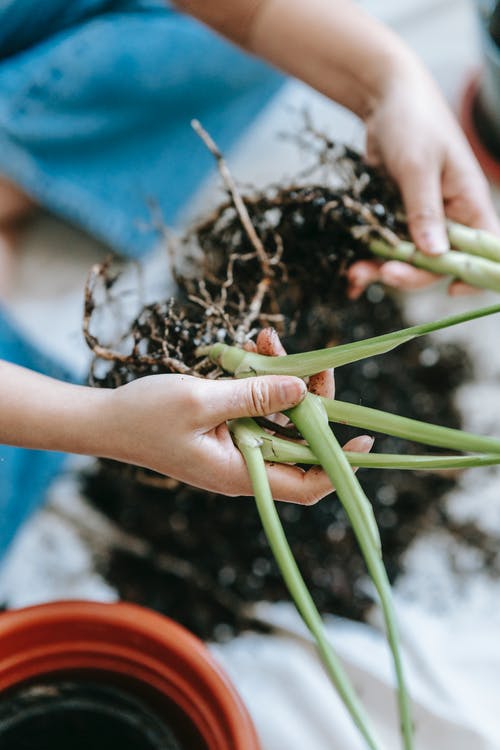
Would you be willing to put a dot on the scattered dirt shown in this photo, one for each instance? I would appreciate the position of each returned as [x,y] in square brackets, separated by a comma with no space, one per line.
[218,561]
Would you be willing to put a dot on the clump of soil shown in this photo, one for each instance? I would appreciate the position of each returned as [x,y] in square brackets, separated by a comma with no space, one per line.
[206,557]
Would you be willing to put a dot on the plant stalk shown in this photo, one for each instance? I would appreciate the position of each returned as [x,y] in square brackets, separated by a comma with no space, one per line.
[279,450]
[245,364]
[409,429]
[310,419]
[477,271]
[244,433]
[474,241]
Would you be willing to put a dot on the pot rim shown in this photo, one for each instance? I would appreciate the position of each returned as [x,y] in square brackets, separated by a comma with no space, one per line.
[488,163]
[129,642]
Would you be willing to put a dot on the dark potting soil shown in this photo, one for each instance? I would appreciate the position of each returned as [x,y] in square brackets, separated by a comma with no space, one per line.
[207,556]
[201,558]
[55,715]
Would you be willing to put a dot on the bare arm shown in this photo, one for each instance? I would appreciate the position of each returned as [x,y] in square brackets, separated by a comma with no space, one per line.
[39,412]
[338,49]
[332,45]
[173,424]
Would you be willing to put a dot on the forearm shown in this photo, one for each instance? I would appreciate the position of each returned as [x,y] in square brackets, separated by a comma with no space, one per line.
[332,45]
[39,412]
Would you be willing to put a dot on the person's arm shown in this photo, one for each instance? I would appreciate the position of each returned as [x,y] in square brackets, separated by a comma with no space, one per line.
[340,50]
[329,44]
[172,424]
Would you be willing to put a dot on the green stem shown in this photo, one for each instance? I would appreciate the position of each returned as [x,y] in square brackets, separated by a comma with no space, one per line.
[310,418]
[249,445]
[474,241]
[409,429]
[279,450]
[477,271]
[244,364]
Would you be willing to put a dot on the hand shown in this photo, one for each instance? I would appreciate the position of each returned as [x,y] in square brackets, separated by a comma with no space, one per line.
[176,425]
[413,134]
[321,384]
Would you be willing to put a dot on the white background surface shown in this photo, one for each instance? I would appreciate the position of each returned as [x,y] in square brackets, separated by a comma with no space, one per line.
[450,621]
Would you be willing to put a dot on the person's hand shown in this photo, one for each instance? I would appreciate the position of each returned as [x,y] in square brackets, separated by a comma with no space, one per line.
[268,343]
[413,134]
[322,384]
[176,425]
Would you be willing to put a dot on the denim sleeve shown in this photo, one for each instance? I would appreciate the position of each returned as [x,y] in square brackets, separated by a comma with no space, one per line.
[95,118]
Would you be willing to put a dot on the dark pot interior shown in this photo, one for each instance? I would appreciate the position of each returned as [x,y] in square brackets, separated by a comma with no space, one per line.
[88,714]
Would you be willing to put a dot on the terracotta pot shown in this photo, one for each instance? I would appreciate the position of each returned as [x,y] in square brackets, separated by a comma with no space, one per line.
[480,108]
[134,649]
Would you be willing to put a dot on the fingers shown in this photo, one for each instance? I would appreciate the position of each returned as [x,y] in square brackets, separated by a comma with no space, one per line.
[360,275]
[361,444]
[250,397]
[420,185]
[467,193]
[474,211]
[293,485]
[322,384]
[404,276]
[269,343]
[393,273]
[459,289]
[288,483]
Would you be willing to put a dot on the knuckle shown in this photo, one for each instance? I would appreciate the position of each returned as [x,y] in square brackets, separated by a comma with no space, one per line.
[192,401]
[424,214]
[412,164]
[259,397]
[471,201]
[311,498]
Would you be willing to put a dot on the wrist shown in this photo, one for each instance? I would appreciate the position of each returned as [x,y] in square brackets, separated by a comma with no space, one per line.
[41,413]
[78,421]
[396,70]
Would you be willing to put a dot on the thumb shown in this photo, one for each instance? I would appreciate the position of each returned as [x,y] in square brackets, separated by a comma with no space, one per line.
[254,397]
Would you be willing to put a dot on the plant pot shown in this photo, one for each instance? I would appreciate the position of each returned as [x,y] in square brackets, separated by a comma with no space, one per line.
[480,109]
[113,675]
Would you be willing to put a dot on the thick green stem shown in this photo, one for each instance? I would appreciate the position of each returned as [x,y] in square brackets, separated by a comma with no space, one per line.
[477,271]
[409,429]
[244,364]
[474,241]
[310,418]
[249,445]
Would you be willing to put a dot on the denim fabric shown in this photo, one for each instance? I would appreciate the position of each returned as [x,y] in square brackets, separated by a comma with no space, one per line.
[95,114]
[96,98]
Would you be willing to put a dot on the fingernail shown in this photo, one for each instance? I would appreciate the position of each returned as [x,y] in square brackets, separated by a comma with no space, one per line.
[368,441]
[292,390]
[434,241]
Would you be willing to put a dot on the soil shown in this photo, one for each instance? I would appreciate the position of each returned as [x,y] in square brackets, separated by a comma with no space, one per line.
[203,559]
